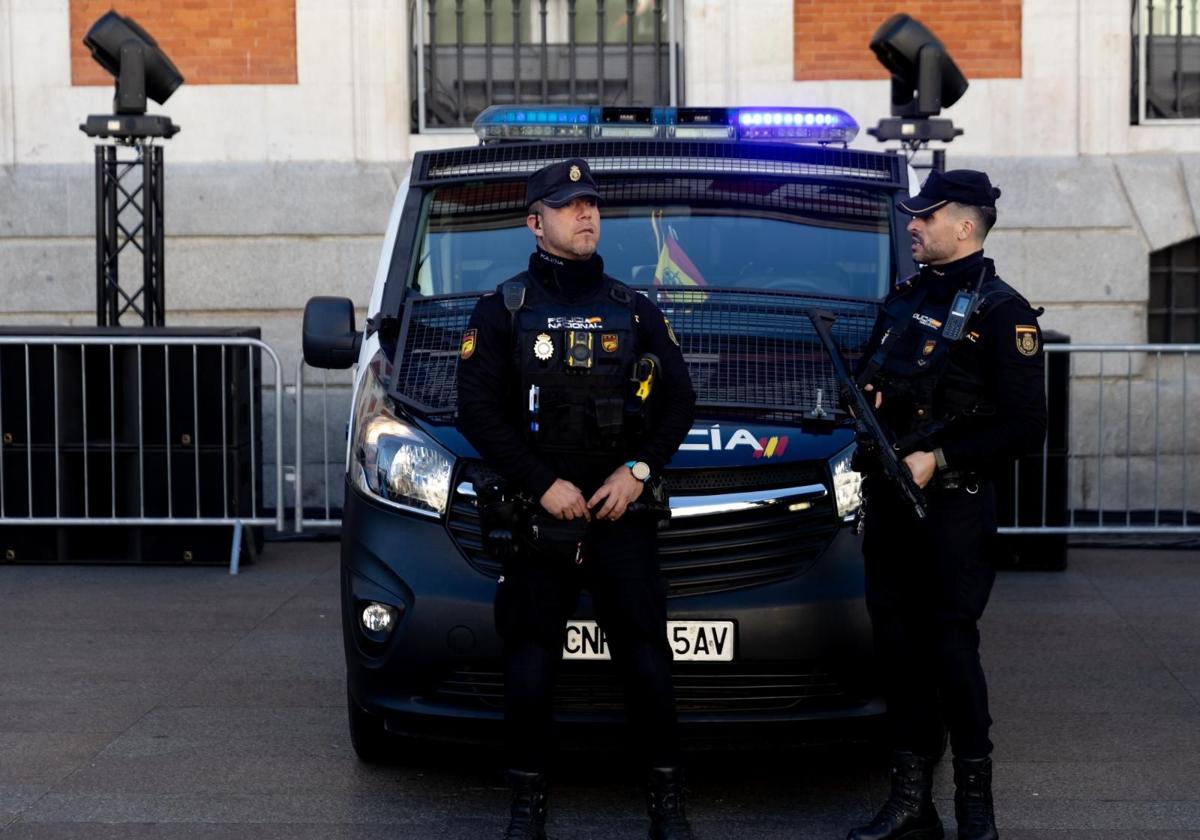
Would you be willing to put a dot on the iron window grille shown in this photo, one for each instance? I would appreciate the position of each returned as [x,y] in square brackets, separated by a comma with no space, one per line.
[1174,311]
[469,54]
[1166,61]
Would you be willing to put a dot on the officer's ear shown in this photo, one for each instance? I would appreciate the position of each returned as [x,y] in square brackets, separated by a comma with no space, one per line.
[966,226]
[533,221]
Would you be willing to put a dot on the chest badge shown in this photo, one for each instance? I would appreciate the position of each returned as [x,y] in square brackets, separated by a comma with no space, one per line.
[928,348]
[1027,340]
[609,342]
[543,347]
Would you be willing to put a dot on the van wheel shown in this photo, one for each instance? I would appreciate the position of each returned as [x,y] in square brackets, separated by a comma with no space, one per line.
[371,741]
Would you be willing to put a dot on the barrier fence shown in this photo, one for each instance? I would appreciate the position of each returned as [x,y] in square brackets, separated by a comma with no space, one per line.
[112,430]
[1131,438]
[136,431]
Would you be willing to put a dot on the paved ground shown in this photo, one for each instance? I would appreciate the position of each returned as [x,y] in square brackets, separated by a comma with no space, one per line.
[182,703]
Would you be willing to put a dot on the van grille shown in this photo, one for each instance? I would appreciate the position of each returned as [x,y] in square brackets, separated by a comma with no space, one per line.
[730,688]
[750,352]
[645,157]
[714,552]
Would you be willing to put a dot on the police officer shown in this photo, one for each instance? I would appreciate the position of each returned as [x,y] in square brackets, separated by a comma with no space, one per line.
[955,364]
[546,396]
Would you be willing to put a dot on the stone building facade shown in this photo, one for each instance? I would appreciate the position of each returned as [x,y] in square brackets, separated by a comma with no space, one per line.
[297,129]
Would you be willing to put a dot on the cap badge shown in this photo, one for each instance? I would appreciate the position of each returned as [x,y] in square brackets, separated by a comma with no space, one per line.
[543,347]
[575,174]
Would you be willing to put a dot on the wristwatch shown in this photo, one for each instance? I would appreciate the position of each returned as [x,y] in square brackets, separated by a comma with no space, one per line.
[640,470]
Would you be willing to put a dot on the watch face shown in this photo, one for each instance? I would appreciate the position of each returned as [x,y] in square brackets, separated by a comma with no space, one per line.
[641,470]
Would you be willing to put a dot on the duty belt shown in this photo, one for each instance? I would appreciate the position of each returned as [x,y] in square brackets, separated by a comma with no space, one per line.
[956,480]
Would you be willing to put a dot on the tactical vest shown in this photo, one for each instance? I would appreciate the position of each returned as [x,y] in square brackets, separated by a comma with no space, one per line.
[932,380]
[575,360]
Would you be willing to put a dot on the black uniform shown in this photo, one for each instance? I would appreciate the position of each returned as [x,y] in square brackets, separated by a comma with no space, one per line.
[534,418]
[981,399]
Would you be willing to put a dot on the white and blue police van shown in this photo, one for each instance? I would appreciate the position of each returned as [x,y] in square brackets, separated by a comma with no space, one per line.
[736,222]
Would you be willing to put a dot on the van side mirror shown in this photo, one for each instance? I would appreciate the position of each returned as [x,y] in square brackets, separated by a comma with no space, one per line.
[330,339]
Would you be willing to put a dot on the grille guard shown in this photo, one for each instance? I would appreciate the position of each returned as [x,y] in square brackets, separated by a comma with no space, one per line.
[749,353]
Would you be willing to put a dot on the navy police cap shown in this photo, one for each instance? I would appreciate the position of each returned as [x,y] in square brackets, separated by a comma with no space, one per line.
[964,186]
[558,184]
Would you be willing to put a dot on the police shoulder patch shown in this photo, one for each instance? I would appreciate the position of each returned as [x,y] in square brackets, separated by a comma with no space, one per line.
[1027,339]
[671,332]
[468,344]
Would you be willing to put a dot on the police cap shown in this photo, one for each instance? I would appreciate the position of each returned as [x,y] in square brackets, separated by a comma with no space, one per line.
[963,186]
[558,184]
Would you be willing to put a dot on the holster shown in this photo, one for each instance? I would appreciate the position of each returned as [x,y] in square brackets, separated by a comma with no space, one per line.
[501,514]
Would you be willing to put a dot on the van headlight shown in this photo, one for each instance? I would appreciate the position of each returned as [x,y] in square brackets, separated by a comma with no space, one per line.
[847,484]
[396,461]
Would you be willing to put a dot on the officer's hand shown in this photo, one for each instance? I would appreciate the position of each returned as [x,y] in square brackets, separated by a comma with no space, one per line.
[922,466]
[565,501]
[878,394]
[617,492]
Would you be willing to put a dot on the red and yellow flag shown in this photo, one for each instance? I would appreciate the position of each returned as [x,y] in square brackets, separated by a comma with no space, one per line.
[676,274]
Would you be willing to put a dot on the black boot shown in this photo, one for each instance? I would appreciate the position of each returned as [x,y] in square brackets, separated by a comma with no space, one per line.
[664,800]
[973,799]
[908,813]
[528,815]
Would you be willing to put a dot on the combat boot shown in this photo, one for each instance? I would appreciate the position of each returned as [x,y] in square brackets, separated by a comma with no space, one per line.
[664,801]
[973,799]
[528,813]
[908,813]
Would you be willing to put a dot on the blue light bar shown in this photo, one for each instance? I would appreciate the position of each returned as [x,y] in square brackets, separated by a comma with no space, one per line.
[789,125]
[510,122]
[819,125]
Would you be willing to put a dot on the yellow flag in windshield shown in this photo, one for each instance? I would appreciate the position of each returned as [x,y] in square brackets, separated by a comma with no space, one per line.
[678,277]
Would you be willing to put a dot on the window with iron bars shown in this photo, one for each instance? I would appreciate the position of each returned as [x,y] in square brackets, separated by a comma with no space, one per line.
[1174,309]
[1166,61]
[469,54]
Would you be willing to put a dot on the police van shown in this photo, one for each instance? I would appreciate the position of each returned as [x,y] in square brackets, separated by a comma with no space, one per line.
[736,222]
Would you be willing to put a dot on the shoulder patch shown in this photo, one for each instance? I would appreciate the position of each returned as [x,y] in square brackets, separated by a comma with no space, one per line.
[1027,339]
[468,344]
[670,331]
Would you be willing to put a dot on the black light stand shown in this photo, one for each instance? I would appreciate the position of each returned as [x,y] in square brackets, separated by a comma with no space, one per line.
[114,193]
[140,69]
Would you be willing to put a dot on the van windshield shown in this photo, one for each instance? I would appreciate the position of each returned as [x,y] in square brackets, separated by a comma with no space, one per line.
[721,232]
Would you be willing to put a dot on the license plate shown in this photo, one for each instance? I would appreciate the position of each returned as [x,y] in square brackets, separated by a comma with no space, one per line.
[690,641]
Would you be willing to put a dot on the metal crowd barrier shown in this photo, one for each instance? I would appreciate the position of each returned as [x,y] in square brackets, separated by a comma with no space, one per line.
[1129,473]
[336,448]
[1147,454]
[118,446]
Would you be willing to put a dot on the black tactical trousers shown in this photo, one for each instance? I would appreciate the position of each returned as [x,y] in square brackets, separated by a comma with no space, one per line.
[540,592]
[928,582]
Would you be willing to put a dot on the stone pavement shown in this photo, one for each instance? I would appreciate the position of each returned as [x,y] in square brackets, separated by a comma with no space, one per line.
[183,703]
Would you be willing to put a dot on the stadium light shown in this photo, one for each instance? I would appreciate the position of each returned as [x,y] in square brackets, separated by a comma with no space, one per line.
[925,80]
[140,69]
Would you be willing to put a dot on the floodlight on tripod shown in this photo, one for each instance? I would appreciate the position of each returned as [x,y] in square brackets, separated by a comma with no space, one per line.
[140,69]
[925,80]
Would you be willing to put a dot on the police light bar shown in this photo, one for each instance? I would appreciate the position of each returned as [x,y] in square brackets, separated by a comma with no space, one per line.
[790,125]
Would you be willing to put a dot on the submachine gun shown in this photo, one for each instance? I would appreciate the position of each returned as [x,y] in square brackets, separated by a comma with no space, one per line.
[865,422]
